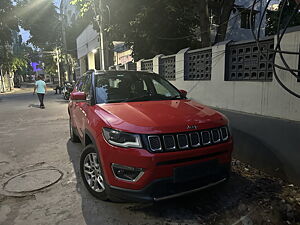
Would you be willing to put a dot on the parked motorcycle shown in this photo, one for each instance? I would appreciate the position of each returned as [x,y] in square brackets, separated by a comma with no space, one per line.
[67,89]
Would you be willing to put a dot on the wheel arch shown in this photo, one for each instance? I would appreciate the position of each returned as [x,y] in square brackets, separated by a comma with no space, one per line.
[89,139]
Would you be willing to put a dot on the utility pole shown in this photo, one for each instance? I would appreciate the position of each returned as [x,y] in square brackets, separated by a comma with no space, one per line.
[99,18]
[58,68]
[65,53]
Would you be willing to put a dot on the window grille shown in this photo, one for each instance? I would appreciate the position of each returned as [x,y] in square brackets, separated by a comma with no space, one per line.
[245,62]
[167,67]
[198,65]
[147,65]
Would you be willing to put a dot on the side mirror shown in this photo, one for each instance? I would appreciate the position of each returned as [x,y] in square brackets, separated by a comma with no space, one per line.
[183,93]
[78,96]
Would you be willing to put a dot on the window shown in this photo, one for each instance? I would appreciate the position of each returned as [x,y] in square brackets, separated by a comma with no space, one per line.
[79,84]
[245,18]
[160,89]
[86,84]
[97,60]
[133,86]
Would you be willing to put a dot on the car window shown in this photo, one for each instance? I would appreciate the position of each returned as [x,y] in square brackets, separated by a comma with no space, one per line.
[86,84]
[123,86]
[160,89]
[79,84]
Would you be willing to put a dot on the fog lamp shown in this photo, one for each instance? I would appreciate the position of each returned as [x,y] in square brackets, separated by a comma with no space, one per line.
[127,173]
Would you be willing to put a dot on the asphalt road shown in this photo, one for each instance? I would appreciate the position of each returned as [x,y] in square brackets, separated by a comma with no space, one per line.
[34,139]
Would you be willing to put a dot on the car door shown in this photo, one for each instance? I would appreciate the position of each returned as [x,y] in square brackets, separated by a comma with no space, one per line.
[82,106]
[76,106]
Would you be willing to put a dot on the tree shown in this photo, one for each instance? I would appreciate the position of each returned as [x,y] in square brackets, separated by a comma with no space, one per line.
[273,17]
[8,22]
[221,11]
[8,25]
[162,26]
[42,20]
[73,31]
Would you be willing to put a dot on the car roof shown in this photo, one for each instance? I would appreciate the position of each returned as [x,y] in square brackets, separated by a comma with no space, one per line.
[102,72]
[116,71]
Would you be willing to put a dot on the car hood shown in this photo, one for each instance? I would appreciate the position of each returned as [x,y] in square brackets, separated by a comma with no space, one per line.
[171,116]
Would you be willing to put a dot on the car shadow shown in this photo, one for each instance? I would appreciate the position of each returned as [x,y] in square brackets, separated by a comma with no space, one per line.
[197,208]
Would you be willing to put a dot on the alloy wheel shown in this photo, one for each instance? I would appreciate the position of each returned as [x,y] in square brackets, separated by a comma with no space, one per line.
[92,172]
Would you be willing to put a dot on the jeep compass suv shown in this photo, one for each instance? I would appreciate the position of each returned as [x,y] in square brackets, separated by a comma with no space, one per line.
[144,140]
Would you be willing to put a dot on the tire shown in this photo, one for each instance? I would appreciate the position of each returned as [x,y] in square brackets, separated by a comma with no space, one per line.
[92,173]
[73,137]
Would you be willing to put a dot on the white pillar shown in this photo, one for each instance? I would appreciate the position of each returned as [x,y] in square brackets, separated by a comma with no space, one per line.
[179,64]
[156,63]
[139,65]
[218,68]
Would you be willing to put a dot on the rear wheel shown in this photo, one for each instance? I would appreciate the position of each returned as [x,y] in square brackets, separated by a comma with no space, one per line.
[92,173]
[73,136]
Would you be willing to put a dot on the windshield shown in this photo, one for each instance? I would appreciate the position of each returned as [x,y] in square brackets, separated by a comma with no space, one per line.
[123,86]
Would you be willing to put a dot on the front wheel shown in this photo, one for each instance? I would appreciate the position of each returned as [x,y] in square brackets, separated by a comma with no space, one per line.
[92,173]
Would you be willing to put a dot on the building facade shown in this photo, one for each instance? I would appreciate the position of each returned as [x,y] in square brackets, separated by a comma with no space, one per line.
[239,27]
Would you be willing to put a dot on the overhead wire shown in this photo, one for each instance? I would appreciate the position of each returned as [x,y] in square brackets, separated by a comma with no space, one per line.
[188,36]
[278,48]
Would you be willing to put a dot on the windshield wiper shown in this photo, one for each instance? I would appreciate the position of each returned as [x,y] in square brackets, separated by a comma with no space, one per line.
[139,98]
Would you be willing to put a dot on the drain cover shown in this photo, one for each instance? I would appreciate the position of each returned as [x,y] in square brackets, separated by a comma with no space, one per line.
[32,180]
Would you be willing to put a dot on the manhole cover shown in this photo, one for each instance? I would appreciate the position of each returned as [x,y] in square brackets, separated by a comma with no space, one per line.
[33,180]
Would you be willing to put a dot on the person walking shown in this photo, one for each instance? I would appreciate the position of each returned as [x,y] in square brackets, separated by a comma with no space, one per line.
[41,89]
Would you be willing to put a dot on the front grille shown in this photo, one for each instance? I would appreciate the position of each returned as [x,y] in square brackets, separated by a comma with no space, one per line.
[215,135]
[187,140]
[169,142]
[154,142]
[224,133]
[182,141]
[195,139]
[205,137]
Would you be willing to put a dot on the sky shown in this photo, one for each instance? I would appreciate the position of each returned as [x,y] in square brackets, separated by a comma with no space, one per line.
[25,34]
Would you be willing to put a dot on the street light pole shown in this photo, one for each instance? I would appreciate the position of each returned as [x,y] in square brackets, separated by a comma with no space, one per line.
[101,36]
[99,19]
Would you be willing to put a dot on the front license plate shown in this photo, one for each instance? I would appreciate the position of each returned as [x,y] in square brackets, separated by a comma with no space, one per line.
[195,171]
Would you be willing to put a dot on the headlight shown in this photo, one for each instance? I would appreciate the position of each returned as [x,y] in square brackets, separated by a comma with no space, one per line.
[122,139]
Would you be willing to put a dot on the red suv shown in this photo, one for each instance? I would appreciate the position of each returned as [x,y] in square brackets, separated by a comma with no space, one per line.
[144,140]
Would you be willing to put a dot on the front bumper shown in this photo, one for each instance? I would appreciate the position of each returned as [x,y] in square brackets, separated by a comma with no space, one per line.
[164,173]
[166,188]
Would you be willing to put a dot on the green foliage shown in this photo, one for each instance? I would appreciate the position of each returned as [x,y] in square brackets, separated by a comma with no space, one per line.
[153,27]
[42,20]
[273,17]
[8,22]
[18,64]
[159,26]
[83,5]
[50,64]
[27,54]
[8,25]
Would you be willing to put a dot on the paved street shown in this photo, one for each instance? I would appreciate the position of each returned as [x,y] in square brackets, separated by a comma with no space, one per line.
[35,139]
